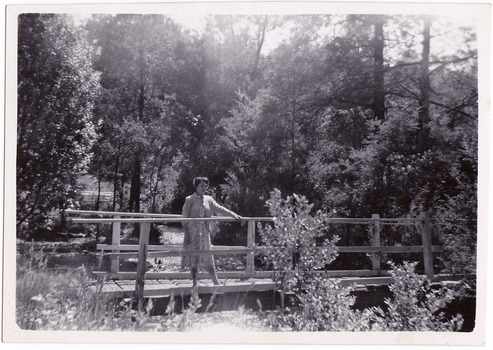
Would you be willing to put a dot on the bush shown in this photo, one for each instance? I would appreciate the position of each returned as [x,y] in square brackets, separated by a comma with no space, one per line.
[416,304]
[325,304]
[296,246]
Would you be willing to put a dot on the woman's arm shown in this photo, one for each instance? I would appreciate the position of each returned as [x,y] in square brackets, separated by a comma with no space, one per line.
[220,209]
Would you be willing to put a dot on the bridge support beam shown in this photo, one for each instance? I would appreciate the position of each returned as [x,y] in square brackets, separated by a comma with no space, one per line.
[375,242]
[115,240]
[145,228]
[250,244]
[427,250]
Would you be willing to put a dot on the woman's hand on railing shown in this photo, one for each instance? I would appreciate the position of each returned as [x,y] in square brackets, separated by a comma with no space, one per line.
[238,217]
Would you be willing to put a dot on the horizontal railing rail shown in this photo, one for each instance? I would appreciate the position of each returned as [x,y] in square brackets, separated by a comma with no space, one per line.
[161,247]
[160,219]
[70,212]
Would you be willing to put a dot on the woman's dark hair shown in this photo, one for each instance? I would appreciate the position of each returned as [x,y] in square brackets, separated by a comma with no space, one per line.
[198,180]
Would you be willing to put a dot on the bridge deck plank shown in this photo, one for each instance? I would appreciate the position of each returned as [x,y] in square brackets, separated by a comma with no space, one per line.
[166,287]
[161,288]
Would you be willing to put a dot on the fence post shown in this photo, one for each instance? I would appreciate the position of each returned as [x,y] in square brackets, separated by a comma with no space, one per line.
[426,238]
[250,244]
[375,242]
[115,240]
[141,263]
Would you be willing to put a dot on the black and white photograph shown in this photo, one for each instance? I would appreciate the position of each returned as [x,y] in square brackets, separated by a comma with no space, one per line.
[247,173]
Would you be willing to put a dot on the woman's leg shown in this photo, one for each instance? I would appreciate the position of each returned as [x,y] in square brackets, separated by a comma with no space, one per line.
[211,268]
[212,272]
[194,276]
[186,260]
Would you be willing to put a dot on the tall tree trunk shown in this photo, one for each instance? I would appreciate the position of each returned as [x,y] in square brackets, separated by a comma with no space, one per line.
[260,42]
[122,193]
[424,100]
[378,104]
[115,182]
[134,200]
[155,187]
[293,127]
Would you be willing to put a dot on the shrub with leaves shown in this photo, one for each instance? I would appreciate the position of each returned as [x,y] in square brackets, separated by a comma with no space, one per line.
[296,246]
[327,305]
[417,305]
[298,249]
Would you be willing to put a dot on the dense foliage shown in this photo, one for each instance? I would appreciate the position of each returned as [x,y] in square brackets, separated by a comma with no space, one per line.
[360,114]
[56,129]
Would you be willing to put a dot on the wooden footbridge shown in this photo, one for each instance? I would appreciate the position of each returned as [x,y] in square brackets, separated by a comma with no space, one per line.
[141,284]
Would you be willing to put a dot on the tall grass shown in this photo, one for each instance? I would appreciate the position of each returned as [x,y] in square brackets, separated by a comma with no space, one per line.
[51,300]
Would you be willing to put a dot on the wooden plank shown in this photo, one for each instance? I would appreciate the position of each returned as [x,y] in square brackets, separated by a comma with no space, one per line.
[398,223]
[399,219]
[141,264]
[375,242]
[341,249]
[232,288]
[166,289]
[172,275]
[135,247]
[115,241]
[156,254]
[366,281]
[427,248]
[353,273]
[386,249]
[250,244]
[118,214]
[163,219]
[349,221]
[70,212]
[161,247]
[233,274]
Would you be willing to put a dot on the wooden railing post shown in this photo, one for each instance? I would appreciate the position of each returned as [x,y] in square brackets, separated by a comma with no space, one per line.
[141,263]
[115,240]
[426,238]
[250,244]
[375,242]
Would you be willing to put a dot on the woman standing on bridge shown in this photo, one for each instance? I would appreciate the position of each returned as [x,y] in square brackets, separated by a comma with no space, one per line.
[198,233]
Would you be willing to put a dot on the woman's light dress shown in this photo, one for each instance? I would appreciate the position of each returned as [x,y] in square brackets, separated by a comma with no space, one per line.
[198,233]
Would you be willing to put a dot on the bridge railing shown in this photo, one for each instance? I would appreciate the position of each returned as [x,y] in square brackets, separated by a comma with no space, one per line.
[128,251]
[376,249]
[143,251]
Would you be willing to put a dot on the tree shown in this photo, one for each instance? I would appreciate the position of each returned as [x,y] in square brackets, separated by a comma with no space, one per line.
[142,60]
[57,91]
[378,103]
[424,88]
